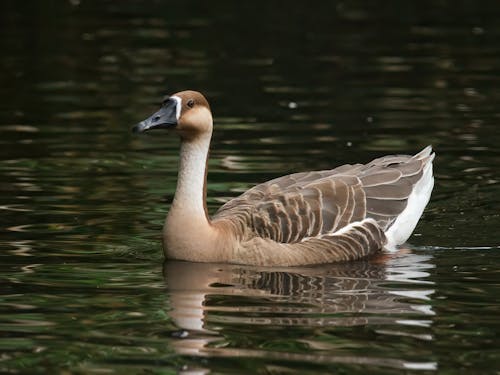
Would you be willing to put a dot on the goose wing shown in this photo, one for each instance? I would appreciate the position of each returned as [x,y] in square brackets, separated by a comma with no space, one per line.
[318,204]
[311,210]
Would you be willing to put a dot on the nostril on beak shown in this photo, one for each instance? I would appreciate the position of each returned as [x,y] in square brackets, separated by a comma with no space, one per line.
[156,118]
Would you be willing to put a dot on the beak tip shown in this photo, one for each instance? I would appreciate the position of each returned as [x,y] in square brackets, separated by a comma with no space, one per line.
[138,128]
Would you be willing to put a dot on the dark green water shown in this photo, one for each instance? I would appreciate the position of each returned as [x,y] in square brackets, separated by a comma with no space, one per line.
[293,87]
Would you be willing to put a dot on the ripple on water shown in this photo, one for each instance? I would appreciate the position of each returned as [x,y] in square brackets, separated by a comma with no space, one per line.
[382,296]
[82,201]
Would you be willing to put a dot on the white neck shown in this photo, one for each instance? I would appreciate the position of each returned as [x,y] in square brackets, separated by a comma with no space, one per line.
[191,179]
[188,233]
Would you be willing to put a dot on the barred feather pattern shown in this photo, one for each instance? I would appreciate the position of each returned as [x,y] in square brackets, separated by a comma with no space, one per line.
[323,216]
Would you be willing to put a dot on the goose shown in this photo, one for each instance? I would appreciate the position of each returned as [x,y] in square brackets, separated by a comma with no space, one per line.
[318,217]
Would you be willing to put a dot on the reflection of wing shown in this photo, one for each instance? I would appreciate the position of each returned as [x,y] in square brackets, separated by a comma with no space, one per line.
[214,305]
[316,210]
[308,293]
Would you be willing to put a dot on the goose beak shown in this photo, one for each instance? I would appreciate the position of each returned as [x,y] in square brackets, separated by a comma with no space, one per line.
[165,118]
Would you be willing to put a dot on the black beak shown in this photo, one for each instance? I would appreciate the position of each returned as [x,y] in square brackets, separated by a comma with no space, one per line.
[165,118]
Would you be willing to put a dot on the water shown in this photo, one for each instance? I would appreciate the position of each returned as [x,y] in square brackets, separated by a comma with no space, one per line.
[293,87]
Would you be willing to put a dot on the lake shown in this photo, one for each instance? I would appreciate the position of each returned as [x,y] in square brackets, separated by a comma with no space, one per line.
[84,288]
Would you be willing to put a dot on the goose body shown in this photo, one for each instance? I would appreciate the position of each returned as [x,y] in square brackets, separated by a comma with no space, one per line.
[305,218]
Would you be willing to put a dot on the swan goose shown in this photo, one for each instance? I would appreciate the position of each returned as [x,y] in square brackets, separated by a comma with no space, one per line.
[319,217]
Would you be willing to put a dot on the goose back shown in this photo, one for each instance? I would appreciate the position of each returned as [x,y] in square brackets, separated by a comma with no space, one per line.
[340,214]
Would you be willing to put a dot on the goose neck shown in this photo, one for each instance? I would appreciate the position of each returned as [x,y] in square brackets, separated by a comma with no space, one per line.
[190,193]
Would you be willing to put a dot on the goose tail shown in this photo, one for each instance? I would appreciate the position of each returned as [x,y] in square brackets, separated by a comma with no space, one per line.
[407,220]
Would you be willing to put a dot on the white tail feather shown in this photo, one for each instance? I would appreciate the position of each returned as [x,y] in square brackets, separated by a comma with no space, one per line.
[406,222]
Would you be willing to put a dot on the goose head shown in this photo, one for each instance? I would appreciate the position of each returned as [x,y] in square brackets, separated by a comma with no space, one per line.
[186,112]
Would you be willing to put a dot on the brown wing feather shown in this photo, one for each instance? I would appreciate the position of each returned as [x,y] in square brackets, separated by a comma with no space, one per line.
[358,240]
[315,204]
[312,209]
[388,182]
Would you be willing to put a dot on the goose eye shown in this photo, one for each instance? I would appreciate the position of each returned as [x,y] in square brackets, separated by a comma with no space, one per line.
[190,103]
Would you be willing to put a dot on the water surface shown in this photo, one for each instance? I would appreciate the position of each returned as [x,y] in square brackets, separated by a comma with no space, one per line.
[293,87]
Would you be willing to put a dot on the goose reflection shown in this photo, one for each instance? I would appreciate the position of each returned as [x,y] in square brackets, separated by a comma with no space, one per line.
[206,300]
